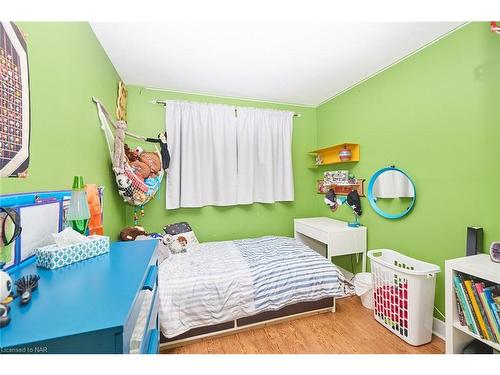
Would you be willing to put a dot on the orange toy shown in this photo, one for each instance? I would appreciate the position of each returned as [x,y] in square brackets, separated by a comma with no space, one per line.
[95,222]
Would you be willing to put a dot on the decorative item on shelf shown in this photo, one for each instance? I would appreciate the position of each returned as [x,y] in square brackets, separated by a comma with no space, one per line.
[319,161]
[341,153]
[345,154]
[78,212]
[321,187]
[495,252]
[336,177]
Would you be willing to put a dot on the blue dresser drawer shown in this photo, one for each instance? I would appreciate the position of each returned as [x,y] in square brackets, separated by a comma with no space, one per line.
[137,331]
[151,342]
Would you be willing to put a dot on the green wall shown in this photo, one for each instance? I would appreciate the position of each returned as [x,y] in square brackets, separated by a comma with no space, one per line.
[435,115]
[67,67]
[222,223]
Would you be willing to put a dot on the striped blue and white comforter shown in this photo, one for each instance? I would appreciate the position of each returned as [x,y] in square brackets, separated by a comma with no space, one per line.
[216,282]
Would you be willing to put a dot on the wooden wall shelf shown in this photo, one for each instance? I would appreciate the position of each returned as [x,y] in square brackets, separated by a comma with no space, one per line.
[342,189]
[330,155]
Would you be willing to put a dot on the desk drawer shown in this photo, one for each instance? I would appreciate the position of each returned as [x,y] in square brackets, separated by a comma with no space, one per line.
[311,232]
[349,242]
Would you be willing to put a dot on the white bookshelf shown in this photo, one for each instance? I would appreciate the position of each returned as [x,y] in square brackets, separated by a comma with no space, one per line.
[480,266]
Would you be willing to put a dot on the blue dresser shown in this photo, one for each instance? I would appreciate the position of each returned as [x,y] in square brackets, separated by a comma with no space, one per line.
[106,304]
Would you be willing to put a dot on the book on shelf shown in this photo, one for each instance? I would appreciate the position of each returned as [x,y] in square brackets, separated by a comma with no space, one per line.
[459,289]
[477,290]
[478,306]
[488,292]
[460,312]
[475,303]
[468,301]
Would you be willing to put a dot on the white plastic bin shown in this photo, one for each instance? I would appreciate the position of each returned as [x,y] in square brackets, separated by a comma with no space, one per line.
[363,286]
[403,294]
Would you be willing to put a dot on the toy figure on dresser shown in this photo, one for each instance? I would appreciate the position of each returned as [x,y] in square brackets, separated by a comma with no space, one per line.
[5,291]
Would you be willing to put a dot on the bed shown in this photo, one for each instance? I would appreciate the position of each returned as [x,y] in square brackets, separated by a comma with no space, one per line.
[219,287]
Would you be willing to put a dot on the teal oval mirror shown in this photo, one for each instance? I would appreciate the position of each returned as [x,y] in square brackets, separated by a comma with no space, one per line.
[391,193]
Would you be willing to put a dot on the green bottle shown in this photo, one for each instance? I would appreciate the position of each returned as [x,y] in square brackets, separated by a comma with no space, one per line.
[78,211]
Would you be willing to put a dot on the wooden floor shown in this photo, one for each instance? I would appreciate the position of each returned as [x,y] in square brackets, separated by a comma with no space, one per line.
[350,330]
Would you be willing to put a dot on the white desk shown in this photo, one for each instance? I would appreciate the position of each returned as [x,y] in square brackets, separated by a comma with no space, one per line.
[331,237]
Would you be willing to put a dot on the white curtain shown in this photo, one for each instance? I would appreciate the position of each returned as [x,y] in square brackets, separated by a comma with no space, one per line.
[218,158]
[264,155]
[203,165]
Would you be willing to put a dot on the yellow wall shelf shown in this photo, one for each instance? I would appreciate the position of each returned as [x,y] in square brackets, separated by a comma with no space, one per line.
[330,155]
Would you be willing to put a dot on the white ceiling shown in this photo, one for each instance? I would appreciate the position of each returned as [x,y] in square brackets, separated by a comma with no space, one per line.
[299,63]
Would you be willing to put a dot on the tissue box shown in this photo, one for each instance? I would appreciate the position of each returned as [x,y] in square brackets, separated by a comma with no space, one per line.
[53,256]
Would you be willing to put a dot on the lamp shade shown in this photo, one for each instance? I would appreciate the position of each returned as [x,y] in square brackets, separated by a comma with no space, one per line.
[78,211]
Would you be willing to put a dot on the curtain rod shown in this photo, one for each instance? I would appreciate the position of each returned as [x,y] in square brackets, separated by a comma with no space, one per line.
[163,102]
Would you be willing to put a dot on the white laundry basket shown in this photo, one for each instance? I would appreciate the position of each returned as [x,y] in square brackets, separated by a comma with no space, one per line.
[403,294]
[363,286]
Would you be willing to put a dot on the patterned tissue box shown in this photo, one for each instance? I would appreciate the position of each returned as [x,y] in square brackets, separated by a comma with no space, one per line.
[53,257]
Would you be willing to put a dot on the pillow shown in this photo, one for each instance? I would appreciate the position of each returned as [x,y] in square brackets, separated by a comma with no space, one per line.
[179,243]
[177,228]
[163,251]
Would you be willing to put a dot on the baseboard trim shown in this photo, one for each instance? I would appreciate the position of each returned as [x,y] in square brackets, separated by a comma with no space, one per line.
[439,328]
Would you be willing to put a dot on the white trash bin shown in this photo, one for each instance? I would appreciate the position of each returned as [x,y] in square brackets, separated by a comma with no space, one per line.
[363,286]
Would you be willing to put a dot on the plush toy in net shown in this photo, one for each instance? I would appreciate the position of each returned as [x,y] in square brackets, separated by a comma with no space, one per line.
[138,173]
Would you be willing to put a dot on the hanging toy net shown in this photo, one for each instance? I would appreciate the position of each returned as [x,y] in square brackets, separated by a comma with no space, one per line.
[138,173]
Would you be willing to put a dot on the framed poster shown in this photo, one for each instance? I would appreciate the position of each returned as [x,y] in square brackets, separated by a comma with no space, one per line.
[14,102]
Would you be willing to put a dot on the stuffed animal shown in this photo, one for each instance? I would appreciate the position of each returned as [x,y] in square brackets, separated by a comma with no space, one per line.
[119,156]
[176,244]
[165,155]
[138,151]
[123,181]
[139,197]
[131,156]
[5,285]
[130,233]
[153,162]
[141,169]
[125,188]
